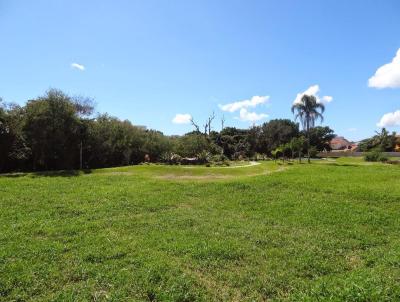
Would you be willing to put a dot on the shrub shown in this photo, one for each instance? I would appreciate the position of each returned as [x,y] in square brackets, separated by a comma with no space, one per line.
[258,156]
[165,157]
[218,158]
[375,156]
[171,158]
[383,158]
[175,159]
[239,156]
[203,157]
[221,164]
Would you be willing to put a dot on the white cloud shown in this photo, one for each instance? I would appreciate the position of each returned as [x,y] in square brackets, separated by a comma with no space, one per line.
[326,99]
[313,90]
[388,75]
[247,116]
[253,102]
[182,118]
[352,129]
[390,119]
[78,66]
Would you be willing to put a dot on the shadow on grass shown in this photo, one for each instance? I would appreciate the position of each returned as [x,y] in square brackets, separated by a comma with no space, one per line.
[62,173]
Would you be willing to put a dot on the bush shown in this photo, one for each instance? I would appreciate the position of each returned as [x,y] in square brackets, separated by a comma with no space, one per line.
[221,164]
[375,156]
[170,158]
[175,159]
[258,156]
[239,156]
[383,158]
[203,157]
[218,158]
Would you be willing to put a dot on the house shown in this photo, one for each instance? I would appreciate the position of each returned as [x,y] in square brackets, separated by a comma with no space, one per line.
[340,143]
[397,147]
[353,147]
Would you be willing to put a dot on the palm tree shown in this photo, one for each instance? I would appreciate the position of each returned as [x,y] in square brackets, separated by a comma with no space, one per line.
[297,145]
[308,111]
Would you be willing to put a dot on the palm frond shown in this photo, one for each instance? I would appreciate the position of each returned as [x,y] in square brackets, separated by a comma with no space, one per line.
[308,111]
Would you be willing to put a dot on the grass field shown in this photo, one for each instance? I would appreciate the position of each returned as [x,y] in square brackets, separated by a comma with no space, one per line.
[328,231]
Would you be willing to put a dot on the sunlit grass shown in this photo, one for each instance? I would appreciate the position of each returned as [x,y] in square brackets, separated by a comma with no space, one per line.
[267,232]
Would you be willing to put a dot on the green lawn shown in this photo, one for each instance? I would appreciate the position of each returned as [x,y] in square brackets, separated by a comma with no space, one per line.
[328,231]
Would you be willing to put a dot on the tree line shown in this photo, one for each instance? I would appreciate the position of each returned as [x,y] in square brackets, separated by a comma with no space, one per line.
[382,141]
[59,132]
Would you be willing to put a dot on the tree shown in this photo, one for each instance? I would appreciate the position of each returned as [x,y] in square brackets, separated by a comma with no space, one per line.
[155,144]
[385,141]
[381,141]
[275,153]
[275,133]
[192,144]
[297,146]
[242,149]
[112,142]
[14,151]
[195,125]
[320,138]
[6,138]
[233,141]
[52,131]
[287,151]
[207,126]
[283,151]
[308,111]
[222,122]
[252,138]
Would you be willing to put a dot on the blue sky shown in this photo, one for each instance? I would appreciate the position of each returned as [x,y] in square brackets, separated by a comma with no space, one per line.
[147,61]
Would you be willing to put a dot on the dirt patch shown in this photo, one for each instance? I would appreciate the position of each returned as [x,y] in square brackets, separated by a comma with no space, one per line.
[117,173]
[215,176]
[192,177]
[250,164]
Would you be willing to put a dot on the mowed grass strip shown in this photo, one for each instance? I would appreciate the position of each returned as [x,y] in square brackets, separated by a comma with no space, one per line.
[326,232]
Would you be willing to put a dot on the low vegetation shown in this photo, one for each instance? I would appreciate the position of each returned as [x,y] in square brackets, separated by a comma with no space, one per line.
[325,231]
[382,141]
[375,156]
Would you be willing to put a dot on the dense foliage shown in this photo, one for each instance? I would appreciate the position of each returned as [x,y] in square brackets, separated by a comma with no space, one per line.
[382,141]
[57,131]
[374,156]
